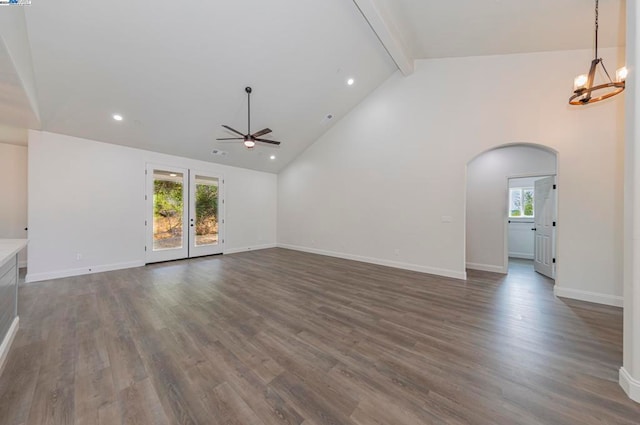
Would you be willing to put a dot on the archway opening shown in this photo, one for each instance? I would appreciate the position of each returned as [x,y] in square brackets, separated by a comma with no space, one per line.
[501,218]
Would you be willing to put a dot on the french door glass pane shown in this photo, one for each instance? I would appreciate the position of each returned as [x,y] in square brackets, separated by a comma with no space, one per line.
[168,210]
[206,204]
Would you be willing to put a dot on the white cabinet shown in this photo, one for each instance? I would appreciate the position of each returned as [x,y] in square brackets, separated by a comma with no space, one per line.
[9,249]
[8,294]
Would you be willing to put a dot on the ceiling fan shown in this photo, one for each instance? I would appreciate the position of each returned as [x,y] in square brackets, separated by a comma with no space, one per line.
[249,139]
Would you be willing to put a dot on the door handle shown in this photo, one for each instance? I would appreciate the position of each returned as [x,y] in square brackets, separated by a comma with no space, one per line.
[534,229]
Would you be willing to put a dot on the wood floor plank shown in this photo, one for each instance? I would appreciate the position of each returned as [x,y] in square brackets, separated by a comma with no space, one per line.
[140,405]
[53,400]
[109,414]
[17,395]
[383,411]
[270,407]
[307,402]
[127,367]
[93,389]
[93,386]
[232,409]
[279,337]
[181,401]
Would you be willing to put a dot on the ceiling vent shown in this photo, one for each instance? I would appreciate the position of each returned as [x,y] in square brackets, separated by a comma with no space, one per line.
[218,152]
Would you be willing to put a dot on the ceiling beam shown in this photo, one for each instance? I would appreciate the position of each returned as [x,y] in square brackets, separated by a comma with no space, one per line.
[387,34]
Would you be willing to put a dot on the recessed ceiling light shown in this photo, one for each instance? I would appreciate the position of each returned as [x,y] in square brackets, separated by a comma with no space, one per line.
[272,157]
[117,117]
[351,81]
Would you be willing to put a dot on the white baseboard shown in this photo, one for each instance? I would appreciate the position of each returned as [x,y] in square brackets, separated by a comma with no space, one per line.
[37,277]
[381,262]
[486,268]
[8,339]
[592,297]
[523,255]
[250,248]
[630,385]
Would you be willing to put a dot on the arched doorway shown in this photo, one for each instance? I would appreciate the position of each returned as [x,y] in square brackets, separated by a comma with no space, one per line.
[499,205]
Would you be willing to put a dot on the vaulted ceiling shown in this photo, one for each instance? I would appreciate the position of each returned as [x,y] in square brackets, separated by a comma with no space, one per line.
[176,71]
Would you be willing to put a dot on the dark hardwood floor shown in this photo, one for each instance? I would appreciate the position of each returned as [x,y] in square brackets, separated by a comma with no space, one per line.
[282,337]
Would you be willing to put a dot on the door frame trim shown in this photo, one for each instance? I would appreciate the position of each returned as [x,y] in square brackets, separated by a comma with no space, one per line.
[505,243]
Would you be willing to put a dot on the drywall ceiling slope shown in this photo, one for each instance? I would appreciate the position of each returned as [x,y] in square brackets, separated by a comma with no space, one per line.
[437,29]
[15,110]
[18,100]
[176,71]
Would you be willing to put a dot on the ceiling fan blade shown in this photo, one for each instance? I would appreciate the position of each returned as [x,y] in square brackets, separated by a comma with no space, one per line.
[261,132]
[233,129]
[231,138]
[273,142]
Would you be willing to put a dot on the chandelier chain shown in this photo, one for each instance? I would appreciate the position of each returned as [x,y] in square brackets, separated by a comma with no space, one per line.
[597,27]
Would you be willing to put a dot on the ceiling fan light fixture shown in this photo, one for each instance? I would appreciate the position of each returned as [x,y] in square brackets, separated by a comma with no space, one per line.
[585,89]
[249,139]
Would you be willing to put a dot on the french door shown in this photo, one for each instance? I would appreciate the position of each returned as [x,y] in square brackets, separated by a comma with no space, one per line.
[184,210]
[205,206]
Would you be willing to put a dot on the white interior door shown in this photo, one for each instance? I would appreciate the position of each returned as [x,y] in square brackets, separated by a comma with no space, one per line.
[206,208]
[167,195]
[544,212]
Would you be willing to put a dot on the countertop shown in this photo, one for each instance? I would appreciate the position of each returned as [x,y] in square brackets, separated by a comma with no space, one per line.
[9,248]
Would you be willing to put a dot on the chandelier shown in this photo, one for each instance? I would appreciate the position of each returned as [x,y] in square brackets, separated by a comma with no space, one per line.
[585,89]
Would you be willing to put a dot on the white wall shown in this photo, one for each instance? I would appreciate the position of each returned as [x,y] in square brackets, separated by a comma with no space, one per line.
[88,197]
[487,199]
[13,195]
[378,184]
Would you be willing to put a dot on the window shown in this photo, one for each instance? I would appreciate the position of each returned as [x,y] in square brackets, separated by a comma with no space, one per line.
[521,202]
